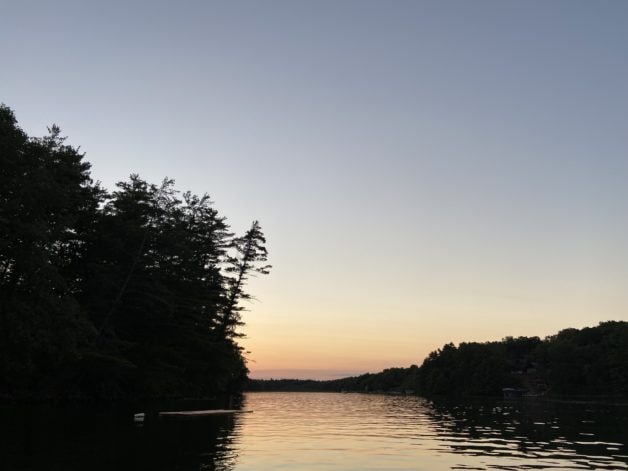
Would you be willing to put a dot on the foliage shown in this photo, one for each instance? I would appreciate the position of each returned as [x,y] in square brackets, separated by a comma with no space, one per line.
[593,360]
[133,293]
[590,361]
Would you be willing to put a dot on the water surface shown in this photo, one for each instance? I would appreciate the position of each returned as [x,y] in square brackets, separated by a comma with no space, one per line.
[327,431]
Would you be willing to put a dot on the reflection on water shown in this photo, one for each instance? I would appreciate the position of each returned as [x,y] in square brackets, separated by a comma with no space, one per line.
[57,439]
[534,433]
[312,431]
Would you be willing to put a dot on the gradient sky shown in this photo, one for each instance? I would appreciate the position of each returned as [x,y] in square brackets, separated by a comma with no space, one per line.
[425,171]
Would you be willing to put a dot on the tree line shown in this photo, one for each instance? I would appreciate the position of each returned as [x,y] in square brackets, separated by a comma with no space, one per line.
[390,380]
[131,293]
[592,361]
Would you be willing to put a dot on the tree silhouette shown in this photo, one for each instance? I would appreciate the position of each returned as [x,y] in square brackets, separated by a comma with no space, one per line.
[124,294]
[249,253]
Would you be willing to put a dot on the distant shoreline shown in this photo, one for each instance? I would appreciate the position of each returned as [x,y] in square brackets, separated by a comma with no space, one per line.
[574,363]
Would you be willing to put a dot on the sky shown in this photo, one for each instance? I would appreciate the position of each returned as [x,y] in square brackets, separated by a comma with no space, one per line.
[425,172]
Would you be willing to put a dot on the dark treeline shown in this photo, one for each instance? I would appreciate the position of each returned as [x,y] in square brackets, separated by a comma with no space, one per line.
[135,293]
[389,380]
[589,361]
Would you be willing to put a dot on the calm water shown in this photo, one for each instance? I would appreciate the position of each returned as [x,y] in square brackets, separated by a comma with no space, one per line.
[311,431]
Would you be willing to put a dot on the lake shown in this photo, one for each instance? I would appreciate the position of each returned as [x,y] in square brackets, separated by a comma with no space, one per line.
[326,431]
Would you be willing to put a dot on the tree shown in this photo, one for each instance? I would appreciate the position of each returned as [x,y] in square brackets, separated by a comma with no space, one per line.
[47,197]
[128,294]
[249,252]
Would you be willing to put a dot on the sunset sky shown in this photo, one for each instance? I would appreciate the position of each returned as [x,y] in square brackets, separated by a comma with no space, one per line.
[424,171]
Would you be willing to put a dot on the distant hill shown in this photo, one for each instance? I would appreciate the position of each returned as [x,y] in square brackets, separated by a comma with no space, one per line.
[588,361]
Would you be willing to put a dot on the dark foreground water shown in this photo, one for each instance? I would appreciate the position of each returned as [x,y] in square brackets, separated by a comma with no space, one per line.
[311,431]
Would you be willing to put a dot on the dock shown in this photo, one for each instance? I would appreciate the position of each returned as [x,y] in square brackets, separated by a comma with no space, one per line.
[202,413]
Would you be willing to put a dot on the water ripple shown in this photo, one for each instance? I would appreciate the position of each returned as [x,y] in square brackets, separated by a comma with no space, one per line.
[355,431]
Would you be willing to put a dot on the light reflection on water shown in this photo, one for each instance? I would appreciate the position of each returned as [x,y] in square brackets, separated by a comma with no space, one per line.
[355,432]
[325,431]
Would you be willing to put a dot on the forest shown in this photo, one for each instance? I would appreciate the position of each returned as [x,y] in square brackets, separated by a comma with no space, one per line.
[114,295]
[592,361]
